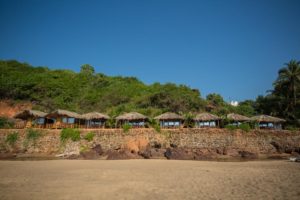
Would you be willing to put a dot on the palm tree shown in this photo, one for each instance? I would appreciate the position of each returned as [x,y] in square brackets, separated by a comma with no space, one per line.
[289,79]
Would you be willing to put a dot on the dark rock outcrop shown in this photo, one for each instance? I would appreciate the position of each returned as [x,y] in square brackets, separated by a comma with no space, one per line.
[121,155]
[93,153]
[248,155]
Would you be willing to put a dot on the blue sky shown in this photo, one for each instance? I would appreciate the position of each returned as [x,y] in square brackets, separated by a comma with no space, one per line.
[233,48]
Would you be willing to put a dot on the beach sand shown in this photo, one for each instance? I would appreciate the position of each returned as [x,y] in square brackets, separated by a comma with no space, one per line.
[148,179]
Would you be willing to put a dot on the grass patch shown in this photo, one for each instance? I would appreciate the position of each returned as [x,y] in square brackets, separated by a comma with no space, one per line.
[12,138]
[245,127]
[231,127]
[33,135]
[167,134]
[156,127]
[69,133]
[126,128]
[292,128]
[83,149]
[89,136]
[5,123]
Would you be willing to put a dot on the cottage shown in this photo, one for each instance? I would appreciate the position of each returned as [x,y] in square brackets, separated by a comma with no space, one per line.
[33,118]
[64,119]
[268,122]
[95,120]
[206,120]
[170,120]
[236,119]
[134,119]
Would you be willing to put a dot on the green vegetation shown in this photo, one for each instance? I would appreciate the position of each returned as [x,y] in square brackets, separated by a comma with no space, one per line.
[188,120]
[283,100]
[245,127]
[69,133]
[231,127]
[89,136]
[91,91]
[83,149]
[33,135]
[156,127]
[12,138]
[126,127]
[5,123]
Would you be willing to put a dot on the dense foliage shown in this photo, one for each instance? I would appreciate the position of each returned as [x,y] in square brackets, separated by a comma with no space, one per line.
[69,133]
[283,100]
[90,91]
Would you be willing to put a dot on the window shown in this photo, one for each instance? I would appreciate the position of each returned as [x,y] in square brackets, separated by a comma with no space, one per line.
[40,121]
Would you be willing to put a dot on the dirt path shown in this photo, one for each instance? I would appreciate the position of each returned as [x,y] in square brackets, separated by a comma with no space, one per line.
[149,179]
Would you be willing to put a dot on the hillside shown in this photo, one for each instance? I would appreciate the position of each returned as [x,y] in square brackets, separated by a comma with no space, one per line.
[46,89]
[89,91]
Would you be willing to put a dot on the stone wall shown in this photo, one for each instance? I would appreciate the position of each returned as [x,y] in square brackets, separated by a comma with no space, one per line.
[259,141]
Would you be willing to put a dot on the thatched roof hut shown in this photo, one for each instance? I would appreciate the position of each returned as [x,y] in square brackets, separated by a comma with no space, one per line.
[95,115]
[64,113]
[131,116]
[237,117]
[30,114]
[169,116]
[206,117]
[267,119]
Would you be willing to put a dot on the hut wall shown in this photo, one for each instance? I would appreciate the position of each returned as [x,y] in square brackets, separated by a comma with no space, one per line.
[170,123]
[133,123]
[201,124]
[95,123]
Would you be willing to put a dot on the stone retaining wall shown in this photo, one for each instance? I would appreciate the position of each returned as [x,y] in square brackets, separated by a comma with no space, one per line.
[260,141]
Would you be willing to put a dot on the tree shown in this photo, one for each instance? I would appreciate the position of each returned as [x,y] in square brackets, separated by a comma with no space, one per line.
[215,99]
[289,80]
[87,69]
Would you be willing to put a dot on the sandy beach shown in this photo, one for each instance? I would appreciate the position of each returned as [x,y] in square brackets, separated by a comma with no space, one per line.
[149,179]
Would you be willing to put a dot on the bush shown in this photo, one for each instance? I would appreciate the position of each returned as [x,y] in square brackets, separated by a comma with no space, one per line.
[33,135]
[89,136]
[69,133]
[156,127]
[231,127]
[126,127]
[83,149]
[245,127]
[12,138]
[5,123]
[291,128]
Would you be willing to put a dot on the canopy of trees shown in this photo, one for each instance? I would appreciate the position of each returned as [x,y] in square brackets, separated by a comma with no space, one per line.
[90,91]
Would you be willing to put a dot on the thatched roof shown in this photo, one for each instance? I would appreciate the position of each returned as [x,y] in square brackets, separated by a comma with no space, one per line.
[237,117]
[206,117]
[94,115]
[131,116]
[169,116]
[25,114]
[66,113]
[266,118]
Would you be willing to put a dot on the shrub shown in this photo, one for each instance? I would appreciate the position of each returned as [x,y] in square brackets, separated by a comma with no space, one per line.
[12,138]
[83,149]
[126,127]
[69,133]
[245,127]
[291,128]
[189,120]
[110,123]
[156,127]
[33,135]
[5,123]
[89,136]
[231,127]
